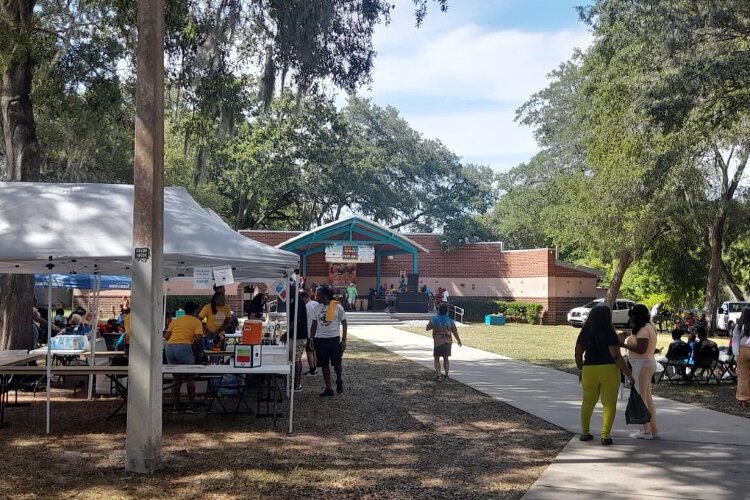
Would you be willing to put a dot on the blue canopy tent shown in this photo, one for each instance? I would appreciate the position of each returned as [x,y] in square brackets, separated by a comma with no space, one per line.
[83,281]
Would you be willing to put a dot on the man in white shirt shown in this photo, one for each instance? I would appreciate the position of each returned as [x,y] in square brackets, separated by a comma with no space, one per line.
[310,305]
[445,296]
[329,346]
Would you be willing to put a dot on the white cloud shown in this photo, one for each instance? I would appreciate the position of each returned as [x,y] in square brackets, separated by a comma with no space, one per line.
[482,136]
[460,82]
[471,62]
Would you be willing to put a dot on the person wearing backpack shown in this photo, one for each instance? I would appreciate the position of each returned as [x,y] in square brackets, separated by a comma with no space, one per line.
[599,362]
[741,350]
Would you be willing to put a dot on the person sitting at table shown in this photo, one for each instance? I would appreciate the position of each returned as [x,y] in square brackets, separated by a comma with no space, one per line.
[690,320]
[75,325]
[180,336]
[216,316]
[60,319]
[678,349]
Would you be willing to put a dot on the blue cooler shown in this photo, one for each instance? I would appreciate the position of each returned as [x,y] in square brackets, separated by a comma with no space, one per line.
[494,319]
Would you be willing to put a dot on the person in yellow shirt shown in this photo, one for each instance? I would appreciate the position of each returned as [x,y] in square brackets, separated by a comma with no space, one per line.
[216,315]
[181,334]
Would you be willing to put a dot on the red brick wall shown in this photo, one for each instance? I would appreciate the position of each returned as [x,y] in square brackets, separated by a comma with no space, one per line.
[479,260]
[559,307]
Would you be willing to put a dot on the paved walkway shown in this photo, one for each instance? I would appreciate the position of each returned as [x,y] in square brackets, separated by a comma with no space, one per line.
[704,454]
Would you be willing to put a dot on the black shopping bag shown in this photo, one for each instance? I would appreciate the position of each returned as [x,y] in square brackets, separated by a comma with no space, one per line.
[636,411]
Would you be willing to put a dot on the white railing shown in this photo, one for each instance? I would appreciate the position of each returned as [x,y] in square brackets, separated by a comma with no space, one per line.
[456,312]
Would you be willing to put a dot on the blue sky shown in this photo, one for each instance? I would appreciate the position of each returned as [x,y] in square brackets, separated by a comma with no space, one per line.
[462,75]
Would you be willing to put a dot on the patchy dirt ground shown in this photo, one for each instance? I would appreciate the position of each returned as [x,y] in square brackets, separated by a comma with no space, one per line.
[394,433]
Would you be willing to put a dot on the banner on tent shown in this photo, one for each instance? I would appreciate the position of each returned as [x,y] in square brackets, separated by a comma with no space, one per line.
[223,275]
[338,253]
[202,277]
[280,288]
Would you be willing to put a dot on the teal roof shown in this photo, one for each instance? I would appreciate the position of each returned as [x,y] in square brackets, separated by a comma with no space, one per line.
[356,230]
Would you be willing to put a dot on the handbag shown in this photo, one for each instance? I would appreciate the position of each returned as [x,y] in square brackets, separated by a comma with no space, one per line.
[636,412]
[198,352]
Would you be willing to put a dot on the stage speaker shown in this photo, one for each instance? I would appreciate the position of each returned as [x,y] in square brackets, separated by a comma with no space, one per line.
[412,282]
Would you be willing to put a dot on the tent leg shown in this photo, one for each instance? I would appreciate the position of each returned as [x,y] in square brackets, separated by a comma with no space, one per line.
[94,330]
[49,348]
[293,340]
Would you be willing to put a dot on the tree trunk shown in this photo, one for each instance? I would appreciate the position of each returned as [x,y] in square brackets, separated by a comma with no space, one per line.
[623,263]
[21,162]
[715,238]
[16,301]
[731,283]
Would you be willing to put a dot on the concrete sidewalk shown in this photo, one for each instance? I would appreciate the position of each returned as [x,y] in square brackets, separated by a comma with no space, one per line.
[703,454]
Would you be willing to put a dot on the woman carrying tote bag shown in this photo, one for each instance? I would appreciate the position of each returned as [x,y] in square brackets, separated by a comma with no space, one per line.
[641,345]
[598,359]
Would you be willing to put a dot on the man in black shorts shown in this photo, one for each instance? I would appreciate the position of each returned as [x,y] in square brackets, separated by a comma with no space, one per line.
[329,347]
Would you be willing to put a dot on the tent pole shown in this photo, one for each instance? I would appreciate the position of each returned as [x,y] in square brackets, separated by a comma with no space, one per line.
[293,340]
[49,346]
[288,340]
[93,331]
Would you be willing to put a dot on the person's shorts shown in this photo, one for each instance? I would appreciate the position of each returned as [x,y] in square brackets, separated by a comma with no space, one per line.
[300,349]
[442,350]
[180,354]
[328,351]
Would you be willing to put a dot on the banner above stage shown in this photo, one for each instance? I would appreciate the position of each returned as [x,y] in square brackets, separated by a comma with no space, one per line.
[355,254]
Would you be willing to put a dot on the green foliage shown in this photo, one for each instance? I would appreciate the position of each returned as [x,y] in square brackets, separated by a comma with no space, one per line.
[475,309]
[175,302]
[305,163]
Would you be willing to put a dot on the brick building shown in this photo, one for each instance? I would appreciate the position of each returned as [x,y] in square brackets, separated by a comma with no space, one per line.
[473,270]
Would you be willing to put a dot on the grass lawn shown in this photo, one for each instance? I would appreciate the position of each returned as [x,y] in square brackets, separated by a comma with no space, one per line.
[394,433]
[553,346]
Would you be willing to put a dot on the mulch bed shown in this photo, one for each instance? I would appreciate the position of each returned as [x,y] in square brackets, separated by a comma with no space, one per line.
[394,433]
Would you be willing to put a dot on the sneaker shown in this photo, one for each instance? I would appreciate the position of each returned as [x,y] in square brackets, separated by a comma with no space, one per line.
[586,437]
[297,388]
[656,436]
[190,410]
[312,372]
[339,386]
[326,393]
[642,435]
[176,409]
[606,441]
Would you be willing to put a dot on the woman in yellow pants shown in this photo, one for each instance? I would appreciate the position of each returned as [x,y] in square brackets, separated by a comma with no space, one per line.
[599,363]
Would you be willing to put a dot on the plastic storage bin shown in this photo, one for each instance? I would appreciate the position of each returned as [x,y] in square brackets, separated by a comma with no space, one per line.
[494,319]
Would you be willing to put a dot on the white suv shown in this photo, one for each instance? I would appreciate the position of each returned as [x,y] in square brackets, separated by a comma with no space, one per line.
[728,314]
[577,316]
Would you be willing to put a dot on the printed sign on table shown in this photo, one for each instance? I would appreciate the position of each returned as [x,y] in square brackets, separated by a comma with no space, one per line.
[202,277]
[223,275]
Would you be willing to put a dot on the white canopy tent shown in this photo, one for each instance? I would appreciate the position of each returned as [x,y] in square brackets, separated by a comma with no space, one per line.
[88,229]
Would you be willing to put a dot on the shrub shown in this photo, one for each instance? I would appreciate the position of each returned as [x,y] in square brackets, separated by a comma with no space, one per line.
[175,302]
[475,309]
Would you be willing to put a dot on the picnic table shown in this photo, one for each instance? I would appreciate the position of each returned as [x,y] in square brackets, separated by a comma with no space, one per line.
[269,390]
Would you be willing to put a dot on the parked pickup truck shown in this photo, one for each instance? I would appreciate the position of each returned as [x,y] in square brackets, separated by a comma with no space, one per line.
[728,314]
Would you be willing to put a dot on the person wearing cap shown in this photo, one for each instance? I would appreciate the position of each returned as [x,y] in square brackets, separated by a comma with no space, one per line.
[329,346]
